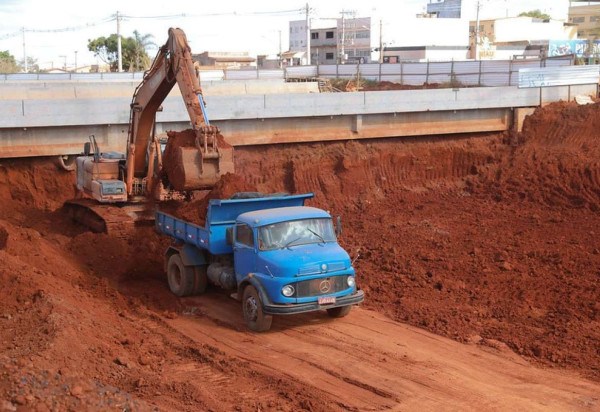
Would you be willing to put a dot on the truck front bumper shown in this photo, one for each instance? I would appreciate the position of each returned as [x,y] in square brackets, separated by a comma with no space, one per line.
[274,309]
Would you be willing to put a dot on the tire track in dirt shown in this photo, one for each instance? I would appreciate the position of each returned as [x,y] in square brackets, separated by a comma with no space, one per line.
[350,359]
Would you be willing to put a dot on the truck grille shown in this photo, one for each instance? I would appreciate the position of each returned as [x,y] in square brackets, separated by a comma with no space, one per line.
[321,286]
[316,268]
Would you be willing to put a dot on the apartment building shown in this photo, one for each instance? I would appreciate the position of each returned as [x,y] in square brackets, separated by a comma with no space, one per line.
[587,19]
[342,40]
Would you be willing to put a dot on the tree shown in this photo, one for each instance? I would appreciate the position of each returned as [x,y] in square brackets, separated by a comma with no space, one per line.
[106,49]
[537,13]
[138,57]
[32,66]
[133,50]
[8,64]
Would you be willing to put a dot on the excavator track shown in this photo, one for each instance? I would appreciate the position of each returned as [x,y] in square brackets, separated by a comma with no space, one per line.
[115,220]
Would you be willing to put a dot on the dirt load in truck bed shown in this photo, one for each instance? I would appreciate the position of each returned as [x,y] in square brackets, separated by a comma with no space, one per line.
[489,240]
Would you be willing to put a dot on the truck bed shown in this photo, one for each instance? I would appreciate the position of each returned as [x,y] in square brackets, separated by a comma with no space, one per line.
[221,215]
[181,230]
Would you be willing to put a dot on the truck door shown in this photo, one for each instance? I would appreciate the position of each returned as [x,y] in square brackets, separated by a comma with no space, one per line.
[243,250]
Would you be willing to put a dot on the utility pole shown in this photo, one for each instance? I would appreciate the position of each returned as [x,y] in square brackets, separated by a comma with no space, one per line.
[307,35]
[24,52]
[119,53]
[75,70]
[477,31]
[380,41]
[343,37]
[280,49]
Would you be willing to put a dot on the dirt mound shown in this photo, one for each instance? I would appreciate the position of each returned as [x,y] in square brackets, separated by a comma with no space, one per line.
[555,159]
[38,183]
[385,85]
[195,210]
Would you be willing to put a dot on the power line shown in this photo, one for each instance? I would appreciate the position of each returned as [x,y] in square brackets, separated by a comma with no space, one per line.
[114,17]
[231,13]
[73,28]
[10,35]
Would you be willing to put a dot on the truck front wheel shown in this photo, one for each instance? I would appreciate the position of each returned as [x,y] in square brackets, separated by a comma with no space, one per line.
[255,318]
[339,312]
[181,278]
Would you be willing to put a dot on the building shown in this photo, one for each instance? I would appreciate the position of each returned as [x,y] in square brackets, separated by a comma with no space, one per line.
[507,38]
[587,19]
[419,39]
[444,9]
[343,40]
[223,60]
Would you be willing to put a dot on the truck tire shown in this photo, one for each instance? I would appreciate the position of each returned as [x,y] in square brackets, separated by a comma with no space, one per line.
[339,312]
[200,280]
[255,318]
[181,278]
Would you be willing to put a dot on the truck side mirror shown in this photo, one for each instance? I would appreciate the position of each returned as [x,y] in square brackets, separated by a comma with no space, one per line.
[338,226]
[229,235]
[87,149]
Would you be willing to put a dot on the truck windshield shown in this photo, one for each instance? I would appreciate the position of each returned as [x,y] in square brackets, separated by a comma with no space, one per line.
[295,232]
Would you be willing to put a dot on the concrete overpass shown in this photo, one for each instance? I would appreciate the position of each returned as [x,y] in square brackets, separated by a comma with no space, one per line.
[46,118]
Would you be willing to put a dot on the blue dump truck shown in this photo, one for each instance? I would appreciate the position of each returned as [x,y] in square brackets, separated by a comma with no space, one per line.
[276,255]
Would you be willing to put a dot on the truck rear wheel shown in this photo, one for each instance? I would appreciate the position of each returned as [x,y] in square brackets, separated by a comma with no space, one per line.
[181,278]
[339,312]
[255,318]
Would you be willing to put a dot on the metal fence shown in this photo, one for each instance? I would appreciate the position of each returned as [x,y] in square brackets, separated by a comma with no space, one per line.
[459,73]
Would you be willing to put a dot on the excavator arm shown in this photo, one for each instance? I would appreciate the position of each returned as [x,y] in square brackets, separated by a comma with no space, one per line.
[173,64]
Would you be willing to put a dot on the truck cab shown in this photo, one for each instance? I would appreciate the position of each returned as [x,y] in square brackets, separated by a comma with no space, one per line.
[291,257]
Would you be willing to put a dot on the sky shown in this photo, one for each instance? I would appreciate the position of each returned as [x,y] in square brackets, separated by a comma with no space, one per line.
[57,33]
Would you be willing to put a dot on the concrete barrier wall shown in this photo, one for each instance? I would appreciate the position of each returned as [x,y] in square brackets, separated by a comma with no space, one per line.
[44,112]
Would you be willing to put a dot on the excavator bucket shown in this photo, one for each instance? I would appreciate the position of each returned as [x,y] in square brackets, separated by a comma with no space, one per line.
[196,159]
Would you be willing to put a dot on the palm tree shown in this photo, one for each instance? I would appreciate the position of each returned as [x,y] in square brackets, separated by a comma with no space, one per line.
[139,57]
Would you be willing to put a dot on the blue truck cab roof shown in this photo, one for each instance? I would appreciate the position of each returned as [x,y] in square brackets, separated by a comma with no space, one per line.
[257,218]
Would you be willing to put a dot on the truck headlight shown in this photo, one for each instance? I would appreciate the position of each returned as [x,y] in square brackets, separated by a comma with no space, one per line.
[351,281]
[288,291]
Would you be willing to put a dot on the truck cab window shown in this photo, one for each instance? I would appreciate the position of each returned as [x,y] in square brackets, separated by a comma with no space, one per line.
[243,235]
[295,232]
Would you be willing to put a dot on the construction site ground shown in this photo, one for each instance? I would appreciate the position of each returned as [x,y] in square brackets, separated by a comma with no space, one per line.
[479,256]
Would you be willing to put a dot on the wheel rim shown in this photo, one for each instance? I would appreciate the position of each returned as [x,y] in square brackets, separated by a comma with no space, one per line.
[251,309]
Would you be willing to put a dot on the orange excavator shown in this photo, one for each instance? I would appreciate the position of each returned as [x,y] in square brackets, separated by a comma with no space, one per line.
[114,189]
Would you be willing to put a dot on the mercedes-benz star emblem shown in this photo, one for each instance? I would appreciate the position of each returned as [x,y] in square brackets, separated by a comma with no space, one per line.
[324,286]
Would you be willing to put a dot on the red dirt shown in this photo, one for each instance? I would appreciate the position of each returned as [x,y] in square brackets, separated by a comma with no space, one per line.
[195,210]
[489,239]
[172,158]
[385,85]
